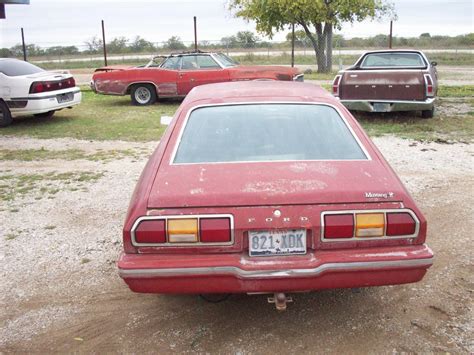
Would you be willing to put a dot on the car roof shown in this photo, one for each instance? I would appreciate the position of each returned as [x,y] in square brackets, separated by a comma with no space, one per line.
[394,51]
[259,90]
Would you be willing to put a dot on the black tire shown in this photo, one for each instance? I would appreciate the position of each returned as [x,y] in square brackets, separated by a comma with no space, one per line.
[143,94]
[48,114]
[428,113]
[5,115]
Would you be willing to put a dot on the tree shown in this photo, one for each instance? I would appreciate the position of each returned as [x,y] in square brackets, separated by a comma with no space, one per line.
[118,45]
[141,45]
[247,39]
[323,15]
[94,45]
[174,43]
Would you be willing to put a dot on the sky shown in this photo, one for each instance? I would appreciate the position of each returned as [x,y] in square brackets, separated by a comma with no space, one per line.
[72,22]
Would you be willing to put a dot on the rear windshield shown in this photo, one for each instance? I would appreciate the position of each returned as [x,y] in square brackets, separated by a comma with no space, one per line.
[12,67]
[266,132]
[393,60]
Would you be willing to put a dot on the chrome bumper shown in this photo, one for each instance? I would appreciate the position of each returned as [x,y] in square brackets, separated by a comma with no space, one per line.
[299,77]
[392,106]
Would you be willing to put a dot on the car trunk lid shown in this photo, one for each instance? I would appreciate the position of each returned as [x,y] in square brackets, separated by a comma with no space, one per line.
[274,183]
[383,85]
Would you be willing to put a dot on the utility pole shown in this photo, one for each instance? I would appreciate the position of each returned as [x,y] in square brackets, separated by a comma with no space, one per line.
[195,35]
[103,43]
[390,36]
[292,45]
[23,44]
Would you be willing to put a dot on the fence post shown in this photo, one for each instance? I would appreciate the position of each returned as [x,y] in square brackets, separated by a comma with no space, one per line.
[103,43]
[195,35]
[390,37]
[23,44]
[292,45]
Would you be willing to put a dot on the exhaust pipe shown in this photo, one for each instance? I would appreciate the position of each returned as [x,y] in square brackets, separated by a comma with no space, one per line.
[280,300]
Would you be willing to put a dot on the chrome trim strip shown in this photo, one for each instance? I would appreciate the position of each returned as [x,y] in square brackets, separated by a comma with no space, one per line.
[188,114]
[45,97]
[429,100]
[384,237]
[255,274]
[181,245]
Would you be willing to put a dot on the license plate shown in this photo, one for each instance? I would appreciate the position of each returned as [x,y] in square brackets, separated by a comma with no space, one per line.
[381,107]
[65,97]
[268,243]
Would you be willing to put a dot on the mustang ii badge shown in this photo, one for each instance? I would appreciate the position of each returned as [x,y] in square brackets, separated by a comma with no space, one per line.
[379,194]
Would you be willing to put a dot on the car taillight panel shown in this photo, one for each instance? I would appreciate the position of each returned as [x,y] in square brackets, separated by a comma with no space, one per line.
[183,230]
[38,87]
[336,84]
[369,225]
[429,85]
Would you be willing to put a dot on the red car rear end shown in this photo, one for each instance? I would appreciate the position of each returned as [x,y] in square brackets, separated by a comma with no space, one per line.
[265,215]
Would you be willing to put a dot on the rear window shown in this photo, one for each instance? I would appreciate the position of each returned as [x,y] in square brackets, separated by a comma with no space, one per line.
[393,60]
[12,67]
[266,132]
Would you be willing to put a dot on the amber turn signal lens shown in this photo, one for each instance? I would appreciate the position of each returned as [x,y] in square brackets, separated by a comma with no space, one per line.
[370,224]
[183,230]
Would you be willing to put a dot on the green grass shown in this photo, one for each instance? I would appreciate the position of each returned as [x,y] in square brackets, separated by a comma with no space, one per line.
[98,117]
[67,154]
[456,91]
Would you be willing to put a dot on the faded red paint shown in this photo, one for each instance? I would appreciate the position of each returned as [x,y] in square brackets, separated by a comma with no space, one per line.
[250,192]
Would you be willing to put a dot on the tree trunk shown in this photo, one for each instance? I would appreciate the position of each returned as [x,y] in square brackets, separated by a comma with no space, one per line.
[314,42]
[328,32]
[320,53]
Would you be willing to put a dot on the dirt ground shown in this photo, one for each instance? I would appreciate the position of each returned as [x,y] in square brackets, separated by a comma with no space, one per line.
[60,291]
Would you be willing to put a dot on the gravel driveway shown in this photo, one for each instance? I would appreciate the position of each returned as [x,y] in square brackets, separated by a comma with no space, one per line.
[61,234]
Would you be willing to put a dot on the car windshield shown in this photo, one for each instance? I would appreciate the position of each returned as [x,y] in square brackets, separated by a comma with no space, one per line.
[384,60]
[225,60]
[18,67]
[266,132]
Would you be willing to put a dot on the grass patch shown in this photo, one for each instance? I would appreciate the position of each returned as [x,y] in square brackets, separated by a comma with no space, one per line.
[456,91]
[43,185]
[68,154]
[98,117]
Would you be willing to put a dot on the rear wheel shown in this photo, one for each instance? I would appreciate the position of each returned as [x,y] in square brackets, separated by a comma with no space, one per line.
[5,115]
[143,94]
[48,114]
[428,113]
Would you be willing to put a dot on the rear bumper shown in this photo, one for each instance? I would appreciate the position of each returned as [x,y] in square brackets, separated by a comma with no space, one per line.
[238,273]
[45,102]
[368,106]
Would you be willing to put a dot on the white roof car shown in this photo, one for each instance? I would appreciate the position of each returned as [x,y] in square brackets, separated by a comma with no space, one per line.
[26,89]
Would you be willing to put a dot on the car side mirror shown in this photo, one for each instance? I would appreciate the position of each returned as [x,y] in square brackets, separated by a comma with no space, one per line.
[165,120]
[434,64]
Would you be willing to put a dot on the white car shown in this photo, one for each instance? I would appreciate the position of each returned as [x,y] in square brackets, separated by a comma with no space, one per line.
[26,89]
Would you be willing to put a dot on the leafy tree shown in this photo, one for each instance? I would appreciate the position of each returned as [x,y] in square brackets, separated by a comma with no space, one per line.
[31,50]
[229,42]
[118,45]
[94,45]
[61,50]
[141,45]
[322,15]
[174,43]
[301,40]
[5,53]
[247,39]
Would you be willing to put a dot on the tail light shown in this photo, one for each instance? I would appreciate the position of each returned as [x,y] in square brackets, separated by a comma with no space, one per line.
[335,85]
[369,225]
[429,85]
[45,86]
[189,230]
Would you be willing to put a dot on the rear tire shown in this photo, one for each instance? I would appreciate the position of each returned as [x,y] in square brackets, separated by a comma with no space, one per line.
[5,115]
[428,113]
[143,94]
[48,114]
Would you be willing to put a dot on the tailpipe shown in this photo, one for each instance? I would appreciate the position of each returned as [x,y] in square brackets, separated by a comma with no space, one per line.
[280,300]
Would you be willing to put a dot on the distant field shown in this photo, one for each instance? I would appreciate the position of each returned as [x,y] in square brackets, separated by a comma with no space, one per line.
[101,117]
[445,59]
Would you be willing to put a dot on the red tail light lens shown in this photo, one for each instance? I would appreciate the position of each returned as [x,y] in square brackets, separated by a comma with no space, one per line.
[338,226]
[429,85]
[335,85]
[215,230]
[400,224]
[153,231]
[44,86]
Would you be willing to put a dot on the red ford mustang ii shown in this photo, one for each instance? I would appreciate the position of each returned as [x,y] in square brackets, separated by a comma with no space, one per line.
[177,74]
[269,187]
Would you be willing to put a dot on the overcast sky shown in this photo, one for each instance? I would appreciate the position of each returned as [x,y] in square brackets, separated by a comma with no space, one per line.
[71,22]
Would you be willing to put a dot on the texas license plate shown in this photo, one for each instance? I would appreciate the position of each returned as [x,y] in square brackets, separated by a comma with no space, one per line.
[268,243]
[65,97]
[381,107]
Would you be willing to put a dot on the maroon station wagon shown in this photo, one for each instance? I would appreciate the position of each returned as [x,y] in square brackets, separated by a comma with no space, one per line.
[388,81]
[269,187]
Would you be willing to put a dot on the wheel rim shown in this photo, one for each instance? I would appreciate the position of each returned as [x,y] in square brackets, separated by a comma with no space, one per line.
[142,95]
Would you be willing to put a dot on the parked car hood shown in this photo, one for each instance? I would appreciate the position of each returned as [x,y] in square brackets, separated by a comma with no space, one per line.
[274,183]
